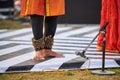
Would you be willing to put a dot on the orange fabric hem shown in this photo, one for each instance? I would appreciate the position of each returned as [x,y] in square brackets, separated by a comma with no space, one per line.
[41,15]
[100,48]
[42,7]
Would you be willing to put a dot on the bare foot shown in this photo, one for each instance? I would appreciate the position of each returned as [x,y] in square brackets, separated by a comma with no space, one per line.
[38,55]
[50,53]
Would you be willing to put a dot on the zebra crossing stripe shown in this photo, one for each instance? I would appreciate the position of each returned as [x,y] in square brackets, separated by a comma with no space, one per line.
[25,37]
[97,63]
[92,34]
[71,41]
[118,62]
[12,36]
[3,43]
[16,32]
[99,56]
[71,48]
[73,45]
[63,29]
[63,51]
[23,66]
[12,49]
[29,36]
[3,31]
[107,58]
[16,53]
[8,45]
[75,63]
[100,53]
[67,42]
[12,61]
[17,42]
[54,63]
[77,31]
[83,34]
[75,38]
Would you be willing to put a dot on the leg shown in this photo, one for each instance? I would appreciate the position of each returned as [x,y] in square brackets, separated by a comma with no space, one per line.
[38,41]
[50,29]
[50,25]
[37,26]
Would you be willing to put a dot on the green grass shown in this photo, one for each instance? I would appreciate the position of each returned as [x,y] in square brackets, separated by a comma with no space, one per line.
[10,24]
[61,75]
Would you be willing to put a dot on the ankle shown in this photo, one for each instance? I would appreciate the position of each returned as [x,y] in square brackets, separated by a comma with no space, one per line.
[38,51]
[46,49]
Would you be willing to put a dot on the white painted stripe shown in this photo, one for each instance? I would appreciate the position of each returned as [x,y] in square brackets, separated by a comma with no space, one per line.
[55,42]
[75,38]
[73,45]
[4,43]
[12,49]
[18,42]
[91,35]
[24,37]
[30,36]
[64,51]
[73,51]
[3,30]
[97,63]
[4,65]
[100,53]
[92,51]
[99,56]
[70,25]
[66,41]
[16,32]
[77,31]
[54,63]
[72,48]
[63,29]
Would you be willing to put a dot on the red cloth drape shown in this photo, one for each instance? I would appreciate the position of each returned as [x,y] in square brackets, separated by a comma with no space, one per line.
[110,12]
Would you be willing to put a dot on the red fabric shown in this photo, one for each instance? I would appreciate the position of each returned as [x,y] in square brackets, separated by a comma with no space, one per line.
[110,12]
